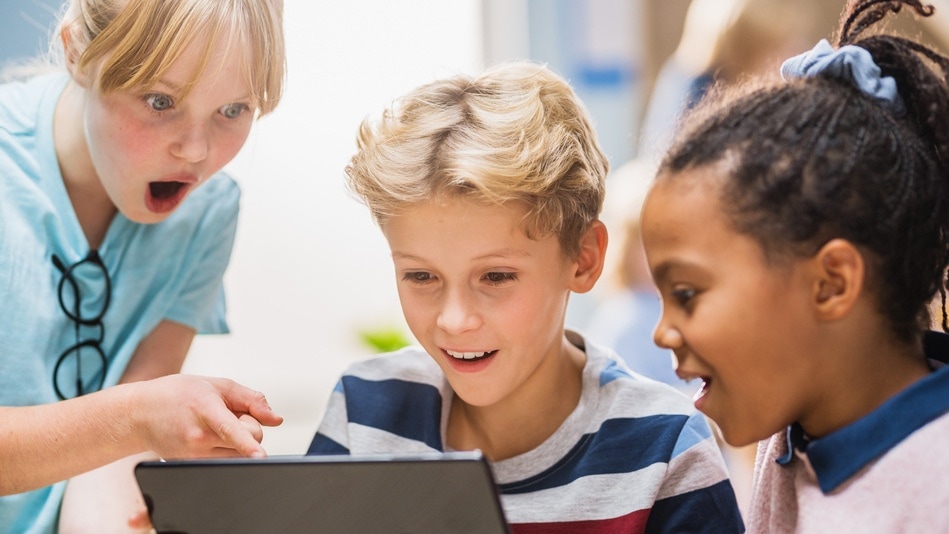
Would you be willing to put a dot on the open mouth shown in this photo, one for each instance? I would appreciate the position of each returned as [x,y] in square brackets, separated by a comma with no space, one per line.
[706,383]
[470,356]
[165,190]
[164,196]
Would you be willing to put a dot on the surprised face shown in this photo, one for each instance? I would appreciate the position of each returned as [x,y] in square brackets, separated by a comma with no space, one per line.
[734,321]
[151,147]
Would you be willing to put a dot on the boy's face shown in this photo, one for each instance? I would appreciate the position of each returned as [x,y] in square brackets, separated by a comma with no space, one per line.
[482,298]
[737,323]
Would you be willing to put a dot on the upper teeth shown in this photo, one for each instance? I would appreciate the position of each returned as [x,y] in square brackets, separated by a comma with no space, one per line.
[465,355]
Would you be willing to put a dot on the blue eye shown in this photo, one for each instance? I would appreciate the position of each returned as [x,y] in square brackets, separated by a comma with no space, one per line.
[159,102]
[233,111]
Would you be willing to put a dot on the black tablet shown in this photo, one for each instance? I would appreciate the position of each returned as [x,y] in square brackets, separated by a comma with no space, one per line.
[424,493]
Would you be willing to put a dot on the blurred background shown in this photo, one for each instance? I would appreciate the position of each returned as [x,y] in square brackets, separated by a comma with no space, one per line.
[310,275]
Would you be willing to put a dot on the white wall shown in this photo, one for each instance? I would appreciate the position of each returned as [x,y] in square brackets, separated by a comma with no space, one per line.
[309,267]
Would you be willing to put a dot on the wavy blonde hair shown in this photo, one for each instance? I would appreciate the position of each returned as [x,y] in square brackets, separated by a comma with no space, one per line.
[138,40]
[516,133]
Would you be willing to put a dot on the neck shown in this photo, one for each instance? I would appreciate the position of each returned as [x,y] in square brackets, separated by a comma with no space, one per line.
[523,420]
[878,368]
[92,205]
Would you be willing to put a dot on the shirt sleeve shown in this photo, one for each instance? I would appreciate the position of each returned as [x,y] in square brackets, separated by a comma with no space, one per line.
[201,303]
[696,495]
[332,436]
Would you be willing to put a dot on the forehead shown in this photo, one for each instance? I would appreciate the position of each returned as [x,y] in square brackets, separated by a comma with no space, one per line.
[683,225]
[462,229]
[683,205]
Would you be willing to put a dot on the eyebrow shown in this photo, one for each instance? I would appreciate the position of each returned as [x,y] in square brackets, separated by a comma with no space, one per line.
[500,254]
[661,272]
[172,85]
[505,253]
[177,88]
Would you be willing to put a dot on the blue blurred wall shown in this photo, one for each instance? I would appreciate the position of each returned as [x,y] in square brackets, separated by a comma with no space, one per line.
[25,28]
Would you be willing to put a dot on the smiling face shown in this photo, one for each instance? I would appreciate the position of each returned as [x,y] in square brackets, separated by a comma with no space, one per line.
[738,323]
[151,147]
[483,299]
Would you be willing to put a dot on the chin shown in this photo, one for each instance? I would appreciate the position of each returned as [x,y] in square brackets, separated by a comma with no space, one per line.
[742,438]
[145,216]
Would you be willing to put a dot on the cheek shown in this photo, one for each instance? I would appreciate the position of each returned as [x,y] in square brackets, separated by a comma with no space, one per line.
[228,143]
[415,310]
[138,141]
[529,315]
[117,136]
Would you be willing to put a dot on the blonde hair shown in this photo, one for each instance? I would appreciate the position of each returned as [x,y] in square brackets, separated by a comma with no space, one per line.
[516,133]
[138,40]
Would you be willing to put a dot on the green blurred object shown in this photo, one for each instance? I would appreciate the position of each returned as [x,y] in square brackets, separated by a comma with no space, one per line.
[385,339]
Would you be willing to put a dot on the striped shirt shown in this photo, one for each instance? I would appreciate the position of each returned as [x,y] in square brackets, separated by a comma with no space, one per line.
[633,456]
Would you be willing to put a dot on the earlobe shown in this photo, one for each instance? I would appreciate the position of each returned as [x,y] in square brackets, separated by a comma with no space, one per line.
[591,258]
[841,272]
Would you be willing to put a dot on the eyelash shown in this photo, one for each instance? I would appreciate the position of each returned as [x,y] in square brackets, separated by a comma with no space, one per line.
[244,108]
[417,277]
[496,279]
[684,296]
[149,101]
[150,97]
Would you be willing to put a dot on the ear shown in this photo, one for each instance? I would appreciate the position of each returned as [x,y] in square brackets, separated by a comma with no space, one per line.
[589,262]
[840,277]
[72,54]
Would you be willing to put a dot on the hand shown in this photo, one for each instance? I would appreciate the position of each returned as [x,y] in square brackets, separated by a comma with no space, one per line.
[184,416]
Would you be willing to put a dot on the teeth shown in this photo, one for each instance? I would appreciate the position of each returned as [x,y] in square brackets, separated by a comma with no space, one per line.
[465,355]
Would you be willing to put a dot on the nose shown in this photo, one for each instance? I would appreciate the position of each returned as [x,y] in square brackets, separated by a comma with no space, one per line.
[192,143]
[458,313]
[666,336]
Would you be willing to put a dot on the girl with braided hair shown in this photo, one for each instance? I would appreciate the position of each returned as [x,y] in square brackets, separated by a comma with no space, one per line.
[797,233]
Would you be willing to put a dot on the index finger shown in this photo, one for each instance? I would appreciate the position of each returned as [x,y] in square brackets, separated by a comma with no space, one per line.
[241,399]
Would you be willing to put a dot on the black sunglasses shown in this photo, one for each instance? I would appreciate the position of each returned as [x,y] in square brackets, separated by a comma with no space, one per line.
[87,276]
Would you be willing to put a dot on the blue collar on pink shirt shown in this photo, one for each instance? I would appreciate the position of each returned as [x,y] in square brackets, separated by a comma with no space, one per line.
[841,454]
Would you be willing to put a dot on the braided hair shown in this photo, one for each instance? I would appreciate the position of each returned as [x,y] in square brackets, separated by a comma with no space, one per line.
[814,158]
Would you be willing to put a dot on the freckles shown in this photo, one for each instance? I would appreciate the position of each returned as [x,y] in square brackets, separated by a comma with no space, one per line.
[137,140]
[124,130]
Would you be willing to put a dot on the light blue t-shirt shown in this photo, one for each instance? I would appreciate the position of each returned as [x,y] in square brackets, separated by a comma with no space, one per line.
[171,270]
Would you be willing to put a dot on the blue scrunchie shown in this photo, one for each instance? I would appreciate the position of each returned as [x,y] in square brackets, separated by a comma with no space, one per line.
[849,63]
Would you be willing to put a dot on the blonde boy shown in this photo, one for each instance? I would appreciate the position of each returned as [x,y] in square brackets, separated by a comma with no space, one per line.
[488,190]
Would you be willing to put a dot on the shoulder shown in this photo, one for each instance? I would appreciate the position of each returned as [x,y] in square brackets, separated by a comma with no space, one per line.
[220,192]
[647,416]
[918,464]
[399,395]
[21,101]
[410,363]
[631,393]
